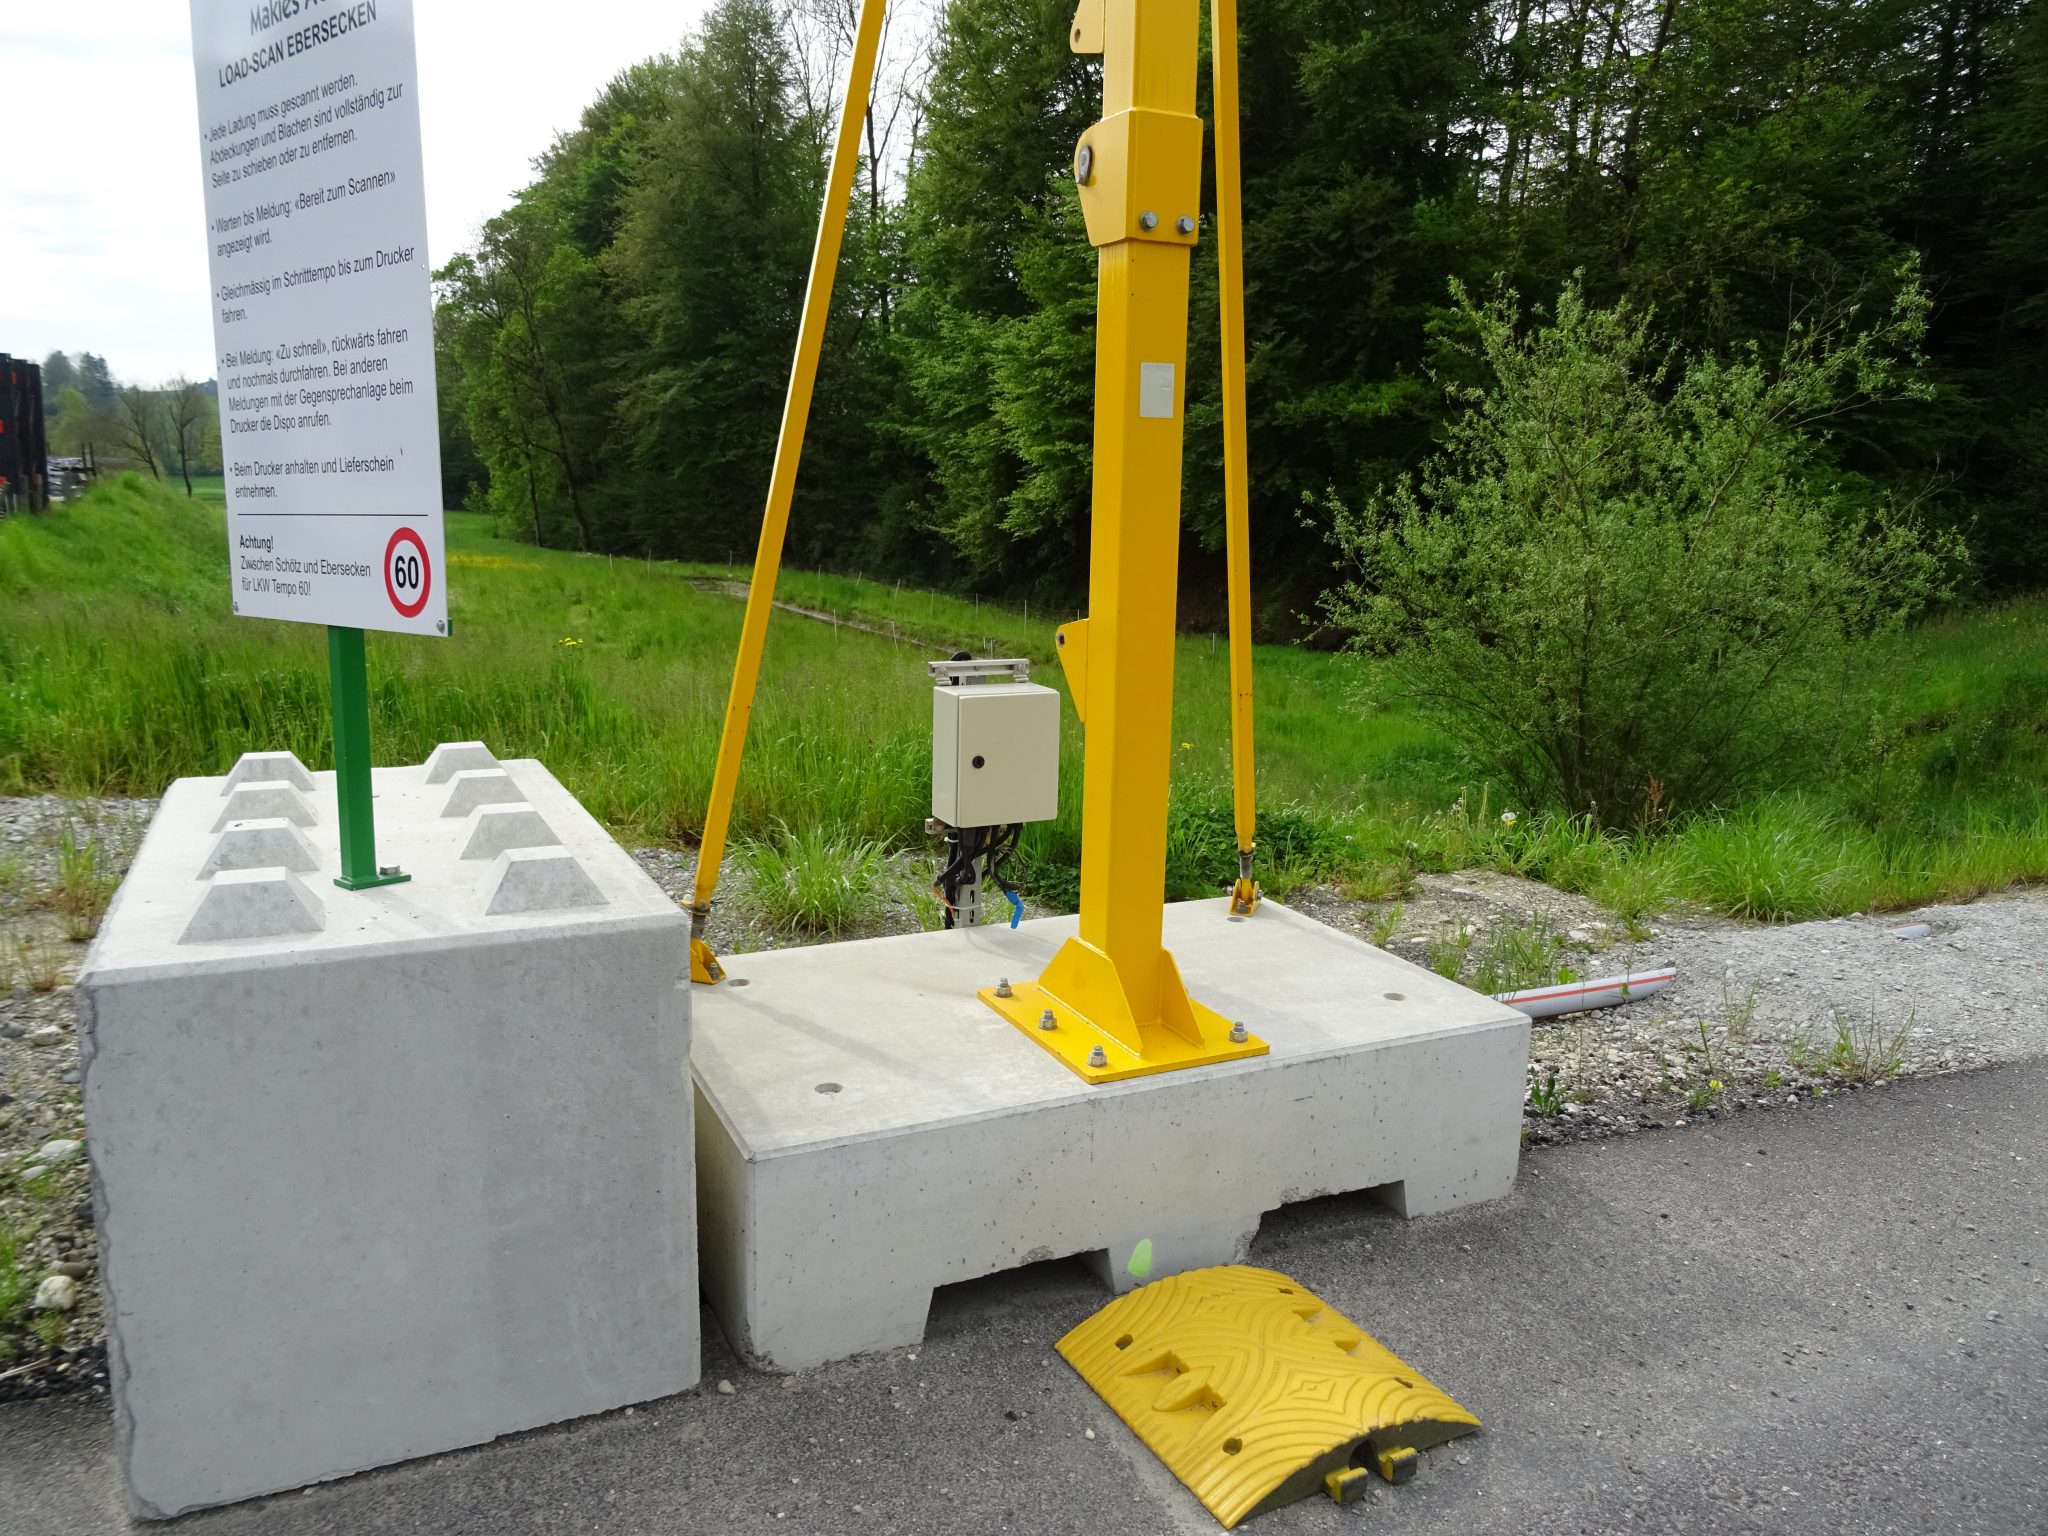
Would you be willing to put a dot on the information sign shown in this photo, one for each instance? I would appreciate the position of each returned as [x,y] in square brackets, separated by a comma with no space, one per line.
[316,224]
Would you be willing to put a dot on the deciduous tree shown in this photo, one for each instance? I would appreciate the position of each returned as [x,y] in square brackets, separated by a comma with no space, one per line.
[1624,579]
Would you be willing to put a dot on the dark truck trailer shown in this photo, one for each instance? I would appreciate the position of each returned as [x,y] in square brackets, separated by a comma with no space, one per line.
[24,448]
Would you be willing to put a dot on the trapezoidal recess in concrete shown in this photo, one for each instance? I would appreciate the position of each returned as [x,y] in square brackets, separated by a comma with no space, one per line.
[869,1130]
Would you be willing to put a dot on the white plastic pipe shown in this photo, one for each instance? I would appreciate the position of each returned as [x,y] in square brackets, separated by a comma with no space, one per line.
[1575,996]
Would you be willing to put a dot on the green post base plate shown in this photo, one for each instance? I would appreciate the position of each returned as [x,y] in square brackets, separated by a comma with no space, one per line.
[362,883]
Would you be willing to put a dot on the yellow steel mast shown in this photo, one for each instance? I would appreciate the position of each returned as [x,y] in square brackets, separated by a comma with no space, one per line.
[789,448]
[1112,1004]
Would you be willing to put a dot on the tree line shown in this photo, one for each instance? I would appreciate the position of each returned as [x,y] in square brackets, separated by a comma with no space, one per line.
[613,353]
[91,416]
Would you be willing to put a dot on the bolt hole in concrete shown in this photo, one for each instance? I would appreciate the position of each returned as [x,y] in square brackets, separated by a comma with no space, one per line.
[1395,997]
[1232,1446]
[828,1088]
[736,981]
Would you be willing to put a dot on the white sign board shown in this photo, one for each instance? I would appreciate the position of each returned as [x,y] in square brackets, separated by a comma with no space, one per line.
[316,219]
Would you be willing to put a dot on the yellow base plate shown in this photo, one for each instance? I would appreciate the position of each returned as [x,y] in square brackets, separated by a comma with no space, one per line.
[1094,1030]
[1074,1038]
[1253,1392]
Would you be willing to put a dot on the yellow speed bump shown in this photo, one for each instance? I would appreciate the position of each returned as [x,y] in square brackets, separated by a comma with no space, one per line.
[1254,1393]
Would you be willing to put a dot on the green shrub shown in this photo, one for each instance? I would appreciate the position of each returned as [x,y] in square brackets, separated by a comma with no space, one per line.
[17,1287]
[1446,952]
[1643,880]
[1294,846]
[1517,955]
[813,882]
[1627,583]
[86,880]
[1776,860]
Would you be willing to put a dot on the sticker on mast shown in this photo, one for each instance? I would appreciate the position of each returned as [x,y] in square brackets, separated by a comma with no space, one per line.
[323,311]
[408,573]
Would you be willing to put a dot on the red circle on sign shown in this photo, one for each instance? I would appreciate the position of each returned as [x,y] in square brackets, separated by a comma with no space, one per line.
[410,570]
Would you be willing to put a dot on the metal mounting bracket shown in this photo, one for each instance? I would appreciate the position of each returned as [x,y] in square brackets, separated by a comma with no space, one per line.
[1012,669]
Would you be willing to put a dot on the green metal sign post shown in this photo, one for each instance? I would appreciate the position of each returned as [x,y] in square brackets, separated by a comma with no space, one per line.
[348,680]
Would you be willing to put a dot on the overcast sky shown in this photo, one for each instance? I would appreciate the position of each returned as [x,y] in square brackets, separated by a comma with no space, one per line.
[102,244]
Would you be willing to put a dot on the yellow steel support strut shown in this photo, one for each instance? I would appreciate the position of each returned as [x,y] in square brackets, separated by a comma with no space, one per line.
[1112,1004]
[789,447]
[1244,896]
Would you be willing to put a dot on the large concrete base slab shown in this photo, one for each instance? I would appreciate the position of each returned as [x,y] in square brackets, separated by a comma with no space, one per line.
[869,1130]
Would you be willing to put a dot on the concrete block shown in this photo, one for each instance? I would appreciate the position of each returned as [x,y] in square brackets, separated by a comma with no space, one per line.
[253,904]
[265,800]
[270,843]
[472,787]
[411,1182]
[452,757]
[538,880]
[264,767]
[869,1130]
[494,828]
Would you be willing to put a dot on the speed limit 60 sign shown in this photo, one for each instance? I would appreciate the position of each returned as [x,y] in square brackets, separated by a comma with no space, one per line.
[408,573]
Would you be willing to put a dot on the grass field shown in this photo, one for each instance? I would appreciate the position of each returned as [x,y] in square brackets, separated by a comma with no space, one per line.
[122,668]
[213,488]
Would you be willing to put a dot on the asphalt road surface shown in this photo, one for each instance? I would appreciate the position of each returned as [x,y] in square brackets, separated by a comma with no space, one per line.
[1828,1318]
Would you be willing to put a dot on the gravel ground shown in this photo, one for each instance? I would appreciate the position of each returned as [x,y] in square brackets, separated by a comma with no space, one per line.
[45,1186]
[1760,1015]
[1760,1018]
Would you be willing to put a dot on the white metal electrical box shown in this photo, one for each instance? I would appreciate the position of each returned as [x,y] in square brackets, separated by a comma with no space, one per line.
[995,754]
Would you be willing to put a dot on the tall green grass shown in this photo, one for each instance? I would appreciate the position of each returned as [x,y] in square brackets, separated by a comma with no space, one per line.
[121,668]
[814,882]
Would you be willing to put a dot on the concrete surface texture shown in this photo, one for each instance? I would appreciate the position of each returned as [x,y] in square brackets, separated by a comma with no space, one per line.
[272,843]
[1829,1320]
[263,799]
[870,1130]
[538,880]
[452,757]
[253,904]
[411,1181]
[494,828]
[267,765]
[469,788]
